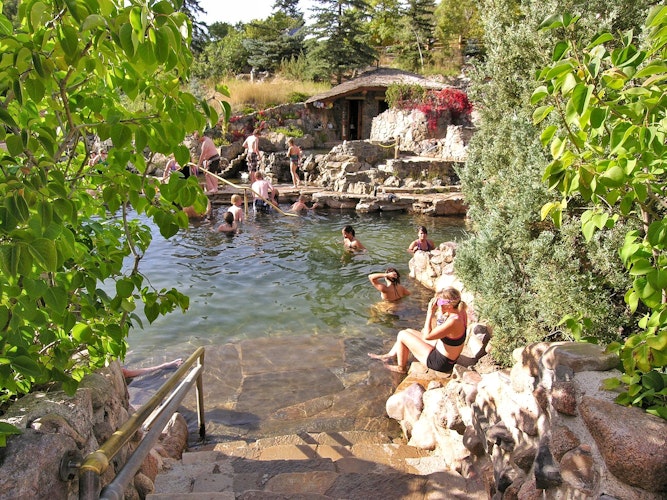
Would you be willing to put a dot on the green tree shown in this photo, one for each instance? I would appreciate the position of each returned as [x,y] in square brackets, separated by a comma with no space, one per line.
[218,31]
[458,21]
[384,23]
[340,42]
[273,40]
[68,230]
[417,35]
[222,57]
[288,7]
[526,274]
[609,149]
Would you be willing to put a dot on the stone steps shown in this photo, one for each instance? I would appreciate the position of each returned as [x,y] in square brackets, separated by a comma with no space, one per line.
[339,465]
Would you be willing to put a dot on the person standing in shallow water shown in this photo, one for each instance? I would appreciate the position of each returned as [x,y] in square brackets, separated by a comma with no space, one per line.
[209,158]
[391,290]
[440,342]
[294,153]
[350,240]
[251,144]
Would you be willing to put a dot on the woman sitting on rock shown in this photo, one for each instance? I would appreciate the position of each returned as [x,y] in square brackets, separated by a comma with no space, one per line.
[440,342]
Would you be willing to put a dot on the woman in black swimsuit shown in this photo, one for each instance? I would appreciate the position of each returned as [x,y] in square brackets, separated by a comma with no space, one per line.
[422,242]
[440,342]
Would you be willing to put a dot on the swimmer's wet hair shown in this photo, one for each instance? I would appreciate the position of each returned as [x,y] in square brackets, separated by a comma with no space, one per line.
[395,280]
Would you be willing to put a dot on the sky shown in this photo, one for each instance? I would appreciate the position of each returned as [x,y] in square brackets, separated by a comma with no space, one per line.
[233,11]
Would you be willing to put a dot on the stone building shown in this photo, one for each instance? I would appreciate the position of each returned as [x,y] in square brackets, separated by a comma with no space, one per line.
[346,111]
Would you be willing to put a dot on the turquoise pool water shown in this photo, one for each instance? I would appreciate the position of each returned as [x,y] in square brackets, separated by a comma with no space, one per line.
[282,276]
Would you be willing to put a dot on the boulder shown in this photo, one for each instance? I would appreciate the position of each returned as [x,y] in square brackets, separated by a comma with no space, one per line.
[632,442]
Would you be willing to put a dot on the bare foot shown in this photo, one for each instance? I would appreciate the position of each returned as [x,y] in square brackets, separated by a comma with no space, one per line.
[175,363]
[396,368]
[381,357]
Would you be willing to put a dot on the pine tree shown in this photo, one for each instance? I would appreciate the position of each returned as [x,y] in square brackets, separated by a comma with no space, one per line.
[288,7]
[192,9]
[340,40]
[418,34]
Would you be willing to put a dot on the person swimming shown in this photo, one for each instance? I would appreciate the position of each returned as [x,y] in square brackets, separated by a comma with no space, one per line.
[350,240]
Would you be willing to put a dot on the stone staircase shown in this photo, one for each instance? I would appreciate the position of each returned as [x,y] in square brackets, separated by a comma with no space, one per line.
[337,465]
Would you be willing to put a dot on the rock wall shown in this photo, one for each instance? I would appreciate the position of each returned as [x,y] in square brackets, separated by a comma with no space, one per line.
[448,141]
[55,425]
[546,428]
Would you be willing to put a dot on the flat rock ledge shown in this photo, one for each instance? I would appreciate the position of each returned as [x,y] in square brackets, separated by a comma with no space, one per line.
[544,427]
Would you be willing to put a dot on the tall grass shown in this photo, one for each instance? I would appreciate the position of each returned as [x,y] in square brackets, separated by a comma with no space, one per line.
[262,95]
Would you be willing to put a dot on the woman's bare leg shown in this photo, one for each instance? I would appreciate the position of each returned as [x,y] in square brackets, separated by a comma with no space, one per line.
[409,341]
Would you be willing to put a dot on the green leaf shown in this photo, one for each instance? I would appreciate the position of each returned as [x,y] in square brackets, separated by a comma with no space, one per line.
[654,68]
[599,40]
[82,333]
[121,135]
[44,253]
[182,154]
[18,207]
[127,40]
[69,40]
[557,147]
[26,367]
[56,298]
[559,50]
[641,267]
[581,97]
[547,134]
[14,144]
[9,429]
[619,135]
[609,384]
[657,278]
[657,234]
[124,288]
[7,118]
[613,177]
[93,21]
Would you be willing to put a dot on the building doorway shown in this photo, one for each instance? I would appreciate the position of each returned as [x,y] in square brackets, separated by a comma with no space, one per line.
[354,119]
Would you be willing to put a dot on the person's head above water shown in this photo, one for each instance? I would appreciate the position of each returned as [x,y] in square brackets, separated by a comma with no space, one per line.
[395,279]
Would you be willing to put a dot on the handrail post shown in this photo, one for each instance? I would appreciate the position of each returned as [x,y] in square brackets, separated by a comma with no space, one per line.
[89,485]
[199,389]
[97,462]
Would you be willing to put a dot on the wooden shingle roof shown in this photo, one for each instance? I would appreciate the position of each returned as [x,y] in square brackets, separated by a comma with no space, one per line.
[377,79]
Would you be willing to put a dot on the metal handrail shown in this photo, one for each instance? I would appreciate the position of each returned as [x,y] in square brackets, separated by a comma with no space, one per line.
[155,414]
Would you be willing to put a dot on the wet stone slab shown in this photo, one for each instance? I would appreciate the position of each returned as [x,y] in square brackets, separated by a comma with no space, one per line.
[279,385]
